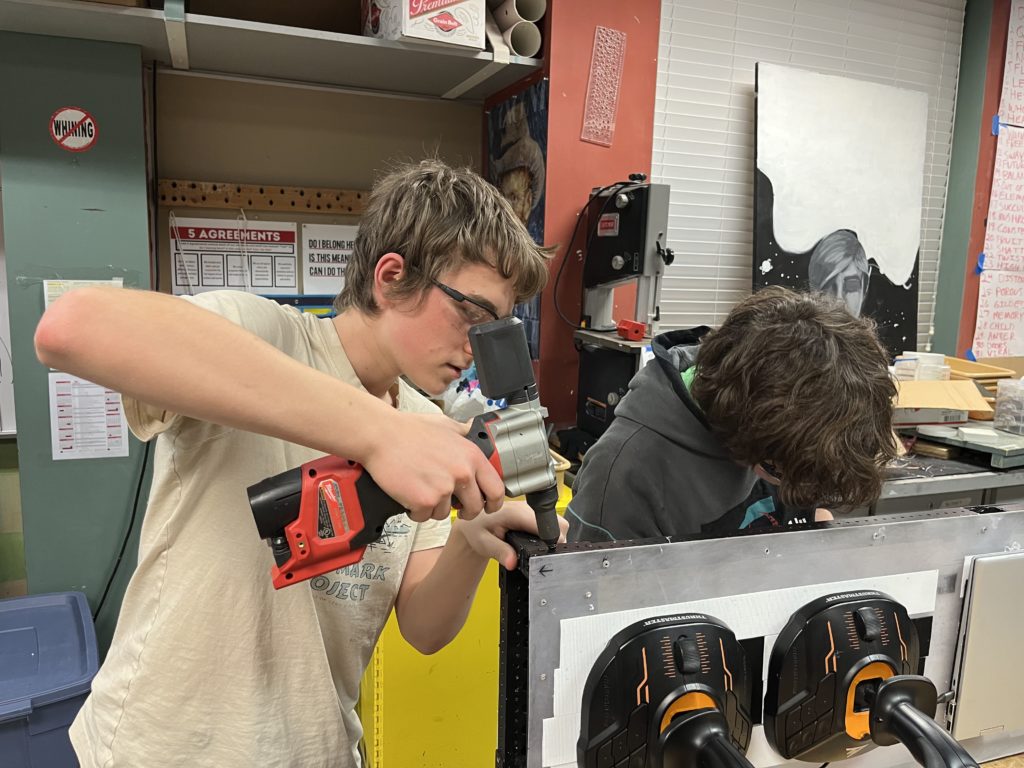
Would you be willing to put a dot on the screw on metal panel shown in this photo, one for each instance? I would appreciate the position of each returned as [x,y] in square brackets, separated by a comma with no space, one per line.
[543,601]
[587,595]
[766,550]
[605,564]
[984,529]
[543,675]
[879,534]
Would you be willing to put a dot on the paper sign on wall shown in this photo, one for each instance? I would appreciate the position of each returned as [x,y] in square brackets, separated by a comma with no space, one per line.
[1011,101]
[54,289]
[326,249]
[86,419]
[217,254]
[999,327]
[73,129]
[1004,232]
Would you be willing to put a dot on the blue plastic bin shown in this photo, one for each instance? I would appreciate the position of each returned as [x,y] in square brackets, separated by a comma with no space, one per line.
[47,662]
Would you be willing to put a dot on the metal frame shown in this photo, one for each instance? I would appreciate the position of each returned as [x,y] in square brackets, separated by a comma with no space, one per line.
[581,580]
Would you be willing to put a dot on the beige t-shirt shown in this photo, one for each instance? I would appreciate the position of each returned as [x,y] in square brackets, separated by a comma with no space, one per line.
[209,665]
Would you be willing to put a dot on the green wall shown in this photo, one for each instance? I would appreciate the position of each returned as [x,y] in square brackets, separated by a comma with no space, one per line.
[963,168]
[72,215]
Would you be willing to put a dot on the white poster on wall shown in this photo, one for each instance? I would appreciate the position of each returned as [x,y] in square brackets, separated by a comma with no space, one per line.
[326,249]
[216,254]
[1011,100]
[1004,230]
[87,420]
[999,326]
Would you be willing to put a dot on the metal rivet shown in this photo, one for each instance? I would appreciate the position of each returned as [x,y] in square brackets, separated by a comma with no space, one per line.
[543,601]
[605,564]
[587,595]
[543,675]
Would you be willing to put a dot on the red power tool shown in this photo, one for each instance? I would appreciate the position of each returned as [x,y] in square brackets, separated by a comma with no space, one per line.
[322,516]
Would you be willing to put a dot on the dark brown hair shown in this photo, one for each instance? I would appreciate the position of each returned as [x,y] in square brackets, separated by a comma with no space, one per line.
[796,380]
[439,218]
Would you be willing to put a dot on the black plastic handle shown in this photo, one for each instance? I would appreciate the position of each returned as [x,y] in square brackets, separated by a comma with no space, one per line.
[698,739]
[720,752]
[902,711]
[931,746]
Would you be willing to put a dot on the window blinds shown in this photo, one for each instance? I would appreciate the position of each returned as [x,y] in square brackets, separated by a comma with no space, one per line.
[704,123]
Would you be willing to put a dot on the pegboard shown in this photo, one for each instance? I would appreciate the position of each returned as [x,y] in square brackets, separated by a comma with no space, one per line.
[182,193]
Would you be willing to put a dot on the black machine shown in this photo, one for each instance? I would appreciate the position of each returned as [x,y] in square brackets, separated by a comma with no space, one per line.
[668,692]
[625,241]
[842,679]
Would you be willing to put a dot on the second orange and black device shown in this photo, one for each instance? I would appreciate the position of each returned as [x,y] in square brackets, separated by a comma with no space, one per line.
[322,516]
[842,679]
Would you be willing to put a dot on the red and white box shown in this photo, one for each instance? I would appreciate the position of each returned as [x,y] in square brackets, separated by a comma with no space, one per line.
[455,22]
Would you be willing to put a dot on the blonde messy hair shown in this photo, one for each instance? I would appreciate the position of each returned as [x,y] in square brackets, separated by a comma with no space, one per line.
[438,219]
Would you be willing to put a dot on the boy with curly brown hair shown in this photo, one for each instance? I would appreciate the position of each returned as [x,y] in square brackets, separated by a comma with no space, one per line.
[785,407]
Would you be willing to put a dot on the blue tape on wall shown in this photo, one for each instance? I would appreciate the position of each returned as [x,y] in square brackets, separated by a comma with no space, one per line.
[981,264]
[969,354]
[995,125]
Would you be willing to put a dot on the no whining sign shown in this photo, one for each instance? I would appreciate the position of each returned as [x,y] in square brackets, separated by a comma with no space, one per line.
[73,129]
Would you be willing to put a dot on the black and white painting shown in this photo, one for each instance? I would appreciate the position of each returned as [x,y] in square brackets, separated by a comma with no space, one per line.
[837,193]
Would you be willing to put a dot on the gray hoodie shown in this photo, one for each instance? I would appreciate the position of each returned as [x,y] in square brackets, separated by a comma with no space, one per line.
[660,471]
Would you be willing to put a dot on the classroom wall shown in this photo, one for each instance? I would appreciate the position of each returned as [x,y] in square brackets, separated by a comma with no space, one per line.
[575,166]
[71,215]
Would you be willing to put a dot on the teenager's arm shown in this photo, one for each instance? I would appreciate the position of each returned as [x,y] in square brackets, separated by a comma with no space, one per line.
[169,353]
[439,584]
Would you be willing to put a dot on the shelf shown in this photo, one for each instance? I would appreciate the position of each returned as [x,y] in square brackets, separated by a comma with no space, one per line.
[89,21]
[253,49]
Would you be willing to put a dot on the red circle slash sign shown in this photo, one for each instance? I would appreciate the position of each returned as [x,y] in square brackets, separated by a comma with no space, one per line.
[73,129]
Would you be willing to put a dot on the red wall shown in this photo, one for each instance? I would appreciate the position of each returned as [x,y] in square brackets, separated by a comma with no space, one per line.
[986,166]
[575,166]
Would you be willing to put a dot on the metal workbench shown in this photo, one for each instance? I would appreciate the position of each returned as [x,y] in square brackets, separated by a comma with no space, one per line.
[917,484]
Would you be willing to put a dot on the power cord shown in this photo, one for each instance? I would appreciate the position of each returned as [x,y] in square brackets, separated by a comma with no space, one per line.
[572,239]
[127,533]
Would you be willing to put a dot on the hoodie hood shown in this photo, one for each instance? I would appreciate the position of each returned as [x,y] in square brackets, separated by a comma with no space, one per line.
[657,391]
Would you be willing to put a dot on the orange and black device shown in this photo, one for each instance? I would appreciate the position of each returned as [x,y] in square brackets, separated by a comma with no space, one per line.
[842,679]
[667,692]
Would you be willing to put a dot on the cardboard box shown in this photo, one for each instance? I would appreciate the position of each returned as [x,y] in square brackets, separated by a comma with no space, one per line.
[938,402]
[1013,364]
[454,22]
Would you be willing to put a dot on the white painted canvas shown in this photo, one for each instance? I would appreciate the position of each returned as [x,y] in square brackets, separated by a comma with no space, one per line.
[838,193]
[843,154]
